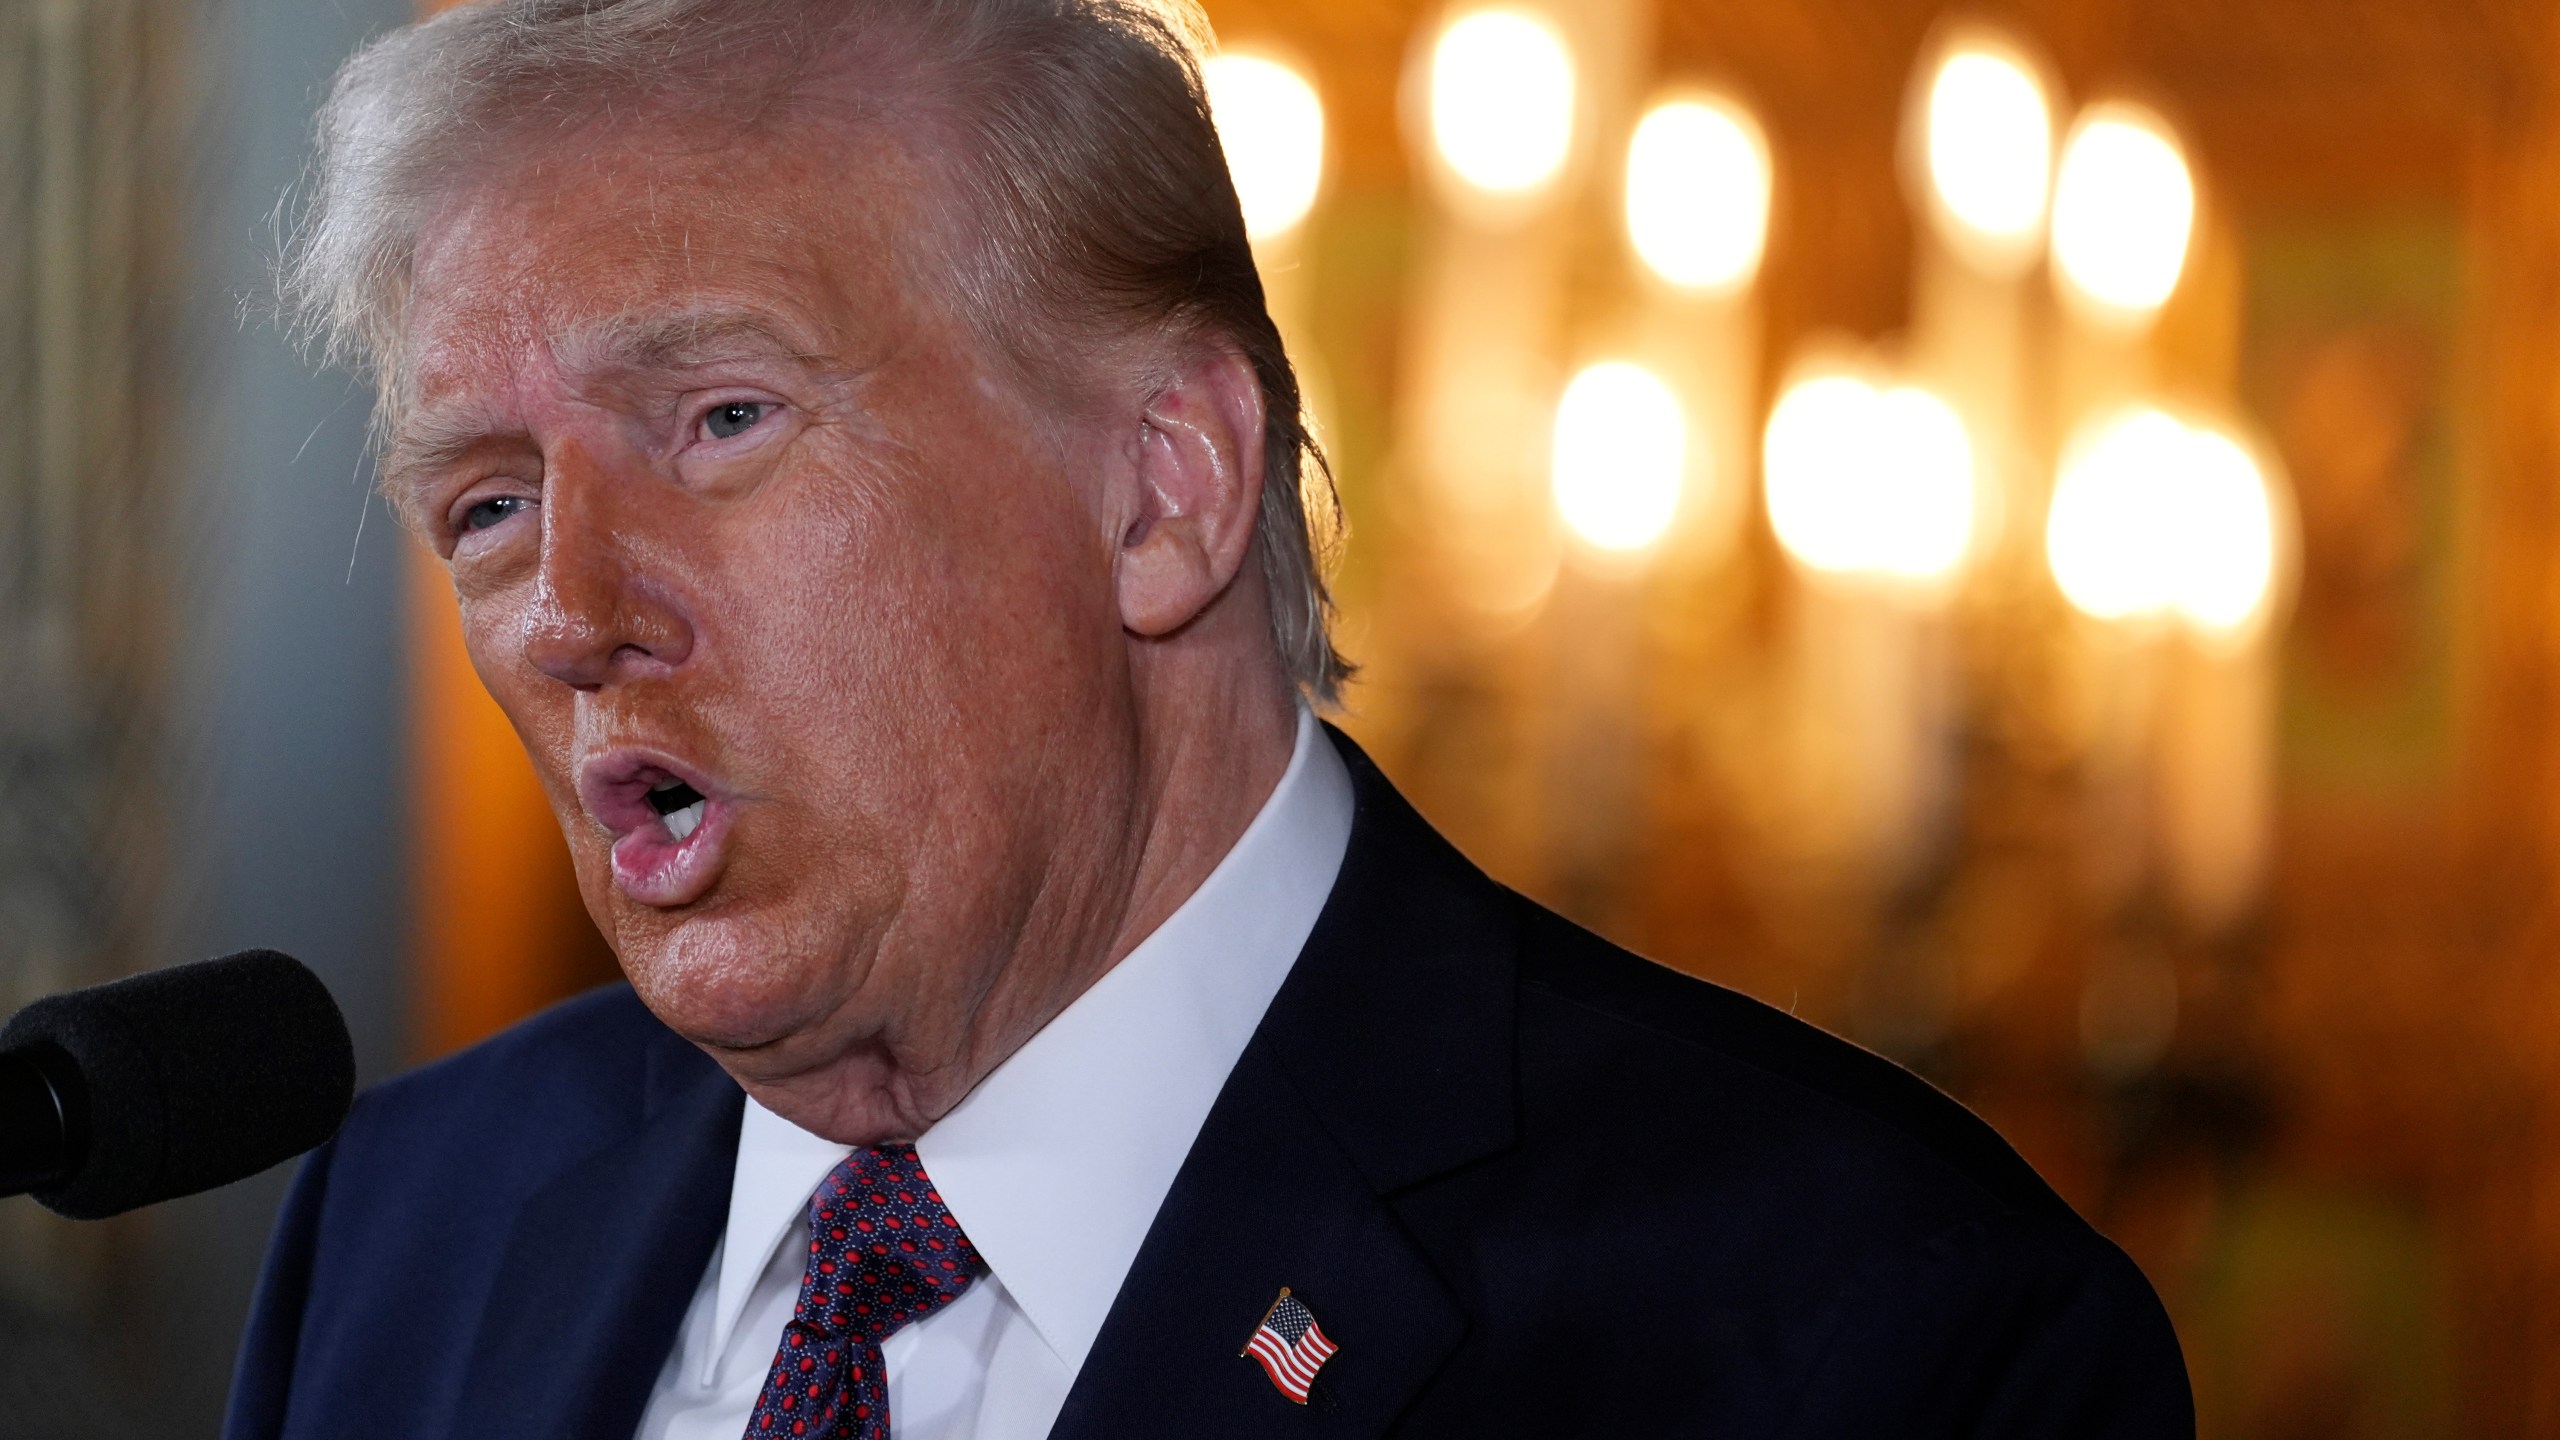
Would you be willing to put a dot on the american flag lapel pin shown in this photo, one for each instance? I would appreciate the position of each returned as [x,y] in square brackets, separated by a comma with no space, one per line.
[1290,1346]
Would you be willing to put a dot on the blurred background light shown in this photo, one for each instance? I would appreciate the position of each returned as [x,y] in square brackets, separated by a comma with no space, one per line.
[2124,207]
[2155,517]
[2228,555]
[1989,146]
[1816,460]
[1502,100]
[1271,124]
[1926,514]
[2108,535]
[1620,445]
[1698,179]
[1865,480]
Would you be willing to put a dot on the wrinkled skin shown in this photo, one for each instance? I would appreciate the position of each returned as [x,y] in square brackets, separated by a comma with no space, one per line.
[960,659]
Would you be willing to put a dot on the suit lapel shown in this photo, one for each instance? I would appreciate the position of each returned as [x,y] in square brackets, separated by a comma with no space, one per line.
[1385,1060]
[1265,1200]
[602,1263]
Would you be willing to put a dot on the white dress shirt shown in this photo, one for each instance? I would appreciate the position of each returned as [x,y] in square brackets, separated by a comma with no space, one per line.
[1054,1166]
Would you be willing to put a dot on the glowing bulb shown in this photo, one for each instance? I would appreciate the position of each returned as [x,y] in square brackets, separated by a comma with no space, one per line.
[1869,481]
[1620,442]
[1271,124]
[1698,193]
[2152,517]
[1990,153]
[2123,209]
[1815,461]
[2228,559]
[1924,520]
[2108,531]
[1502,97]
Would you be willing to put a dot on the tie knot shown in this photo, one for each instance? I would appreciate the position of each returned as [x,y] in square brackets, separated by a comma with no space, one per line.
[883,1249]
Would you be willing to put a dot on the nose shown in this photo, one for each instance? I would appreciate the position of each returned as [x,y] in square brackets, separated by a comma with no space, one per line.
[600,615]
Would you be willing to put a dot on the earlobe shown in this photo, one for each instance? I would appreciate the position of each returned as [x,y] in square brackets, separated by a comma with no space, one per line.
[1199,481]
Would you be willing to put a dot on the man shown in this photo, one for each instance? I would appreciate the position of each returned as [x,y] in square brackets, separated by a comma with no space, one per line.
[871,486]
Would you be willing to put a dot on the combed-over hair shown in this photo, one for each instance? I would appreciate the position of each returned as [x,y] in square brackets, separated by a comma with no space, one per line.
[1087,196]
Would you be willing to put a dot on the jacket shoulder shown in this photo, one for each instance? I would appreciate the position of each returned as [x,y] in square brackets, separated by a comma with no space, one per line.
[582,1058]
[1830,1246]
[435,1162]
[382,1266]
[473,1133]
[1819,1088]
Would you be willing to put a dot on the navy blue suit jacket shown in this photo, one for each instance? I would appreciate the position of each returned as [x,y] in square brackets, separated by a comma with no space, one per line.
[1529,1183]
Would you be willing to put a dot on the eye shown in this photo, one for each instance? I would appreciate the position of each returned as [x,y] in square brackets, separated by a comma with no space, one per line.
[493,512]
[734,418]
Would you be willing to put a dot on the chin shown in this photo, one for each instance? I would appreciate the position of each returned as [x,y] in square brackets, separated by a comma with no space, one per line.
[737,984]
[859,1100]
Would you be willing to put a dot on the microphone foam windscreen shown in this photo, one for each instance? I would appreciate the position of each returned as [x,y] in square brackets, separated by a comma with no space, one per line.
[194,1076]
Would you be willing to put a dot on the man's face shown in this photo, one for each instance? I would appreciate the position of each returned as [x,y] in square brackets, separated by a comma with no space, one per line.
[802,605]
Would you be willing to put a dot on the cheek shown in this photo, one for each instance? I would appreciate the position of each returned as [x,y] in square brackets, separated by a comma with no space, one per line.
[492,635]
[540,710]
[928,609]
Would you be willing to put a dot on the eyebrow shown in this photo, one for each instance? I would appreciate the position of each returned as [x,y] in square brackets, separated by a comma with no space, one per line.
[421,444]
[679,340]
[429,439]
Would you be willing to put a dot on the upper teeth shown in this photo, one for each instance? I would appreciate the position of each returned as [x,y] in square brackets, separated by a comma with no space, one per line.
[681,823]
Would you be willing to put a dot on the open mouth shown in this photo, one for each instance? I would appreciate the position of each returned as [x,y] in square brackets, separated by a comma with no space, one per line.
[669,834]
[680,808]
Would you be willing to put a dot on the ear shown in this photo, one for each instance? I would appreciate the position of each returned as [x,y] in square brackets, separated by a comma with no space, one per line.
[1199,475]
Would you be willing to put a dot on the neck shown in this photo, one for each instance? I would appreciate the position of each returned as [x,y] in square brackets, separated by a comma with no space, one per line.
[1207,782]
[1212,736]
[1204,757]
[1206,754]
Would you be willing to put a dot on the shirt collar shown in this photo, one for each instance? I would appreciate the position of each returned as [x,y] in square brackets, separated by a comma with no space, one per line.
[779,1167]
[1056,1164]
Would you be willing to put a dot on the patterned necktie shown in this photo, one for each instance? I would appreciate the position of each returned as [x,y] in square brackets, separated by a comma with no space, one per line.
[882,1252]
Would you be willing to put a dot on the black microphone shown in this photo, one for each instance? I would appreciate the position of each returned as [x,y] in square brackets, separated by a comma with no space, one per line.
[168,1083]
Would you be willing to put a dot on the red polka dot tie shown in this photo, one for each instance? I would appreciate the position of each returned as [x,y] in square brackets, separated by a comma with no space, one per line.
[883,1252]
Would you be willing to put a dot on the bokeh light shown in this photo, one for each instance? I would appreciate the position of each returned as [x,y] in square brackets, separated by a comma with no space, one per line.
[1989,145]
[2153,517]
[1271,124]
[1868,480]
[1815,461]
[1698,180]
[1928,499]
[2229,561]
[2124,207]
[1502,100]
[1620,445]
[2108,529]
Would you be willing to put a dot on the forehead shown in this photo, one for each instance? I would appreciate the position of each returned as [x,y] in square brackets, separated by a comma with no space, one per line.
[608,229]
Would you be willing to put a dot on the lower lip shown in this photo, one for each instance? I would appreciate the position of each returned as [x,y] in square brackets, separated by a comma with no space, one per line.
[657,870]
